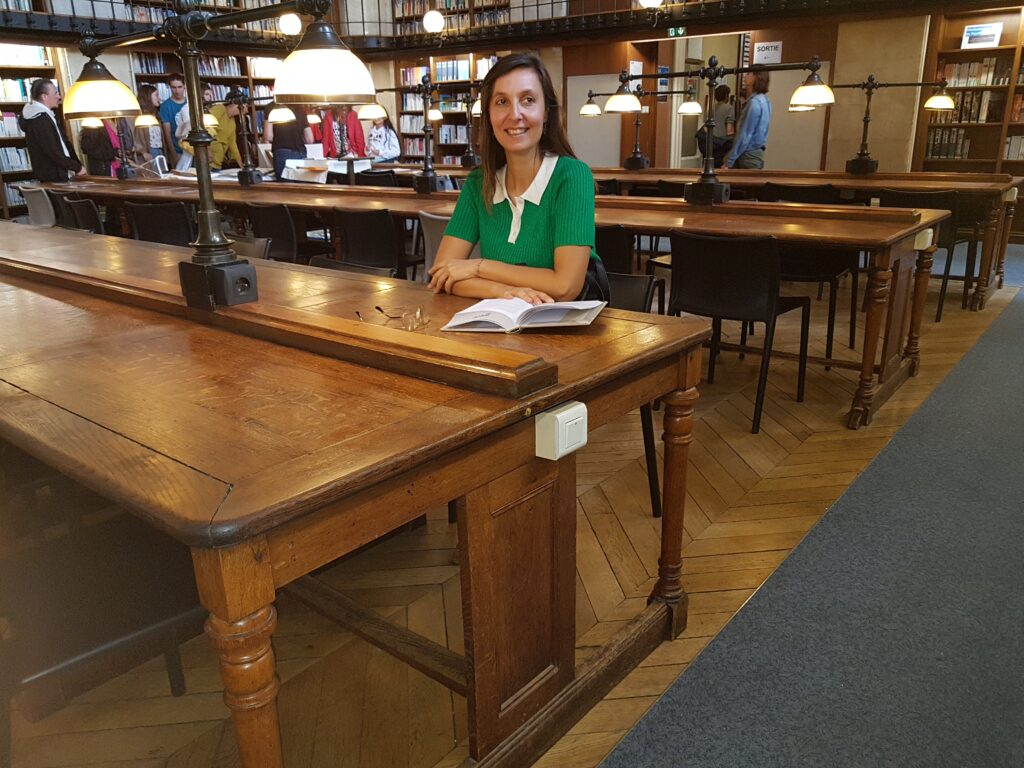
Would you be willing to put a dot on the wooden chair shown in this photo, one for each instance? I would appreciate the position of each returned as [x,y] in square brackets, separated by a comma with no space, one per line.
[275,222]
[736,278]
[168,223]
[40,208]
[87,215]
[947,236]
[804,265]
[374,239]
[343,266]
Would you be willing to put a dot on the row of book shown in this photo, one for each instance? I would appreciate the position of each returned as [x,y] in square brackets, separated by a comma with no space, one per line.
[973,107]
[450,159]
[948,144]
[988,71]
[419,7]
[412,102]
[412,146]
[17,89]
[1016,108]
[452,134]
[492,18]
[13,195]
[410,124]
[23,55]
[447,70]
[264,66]
[9,125]
[483,65]
[16,5]
[220,66]
[453,102]
[1014,148]
[412,75]
[262,91]
[14,159]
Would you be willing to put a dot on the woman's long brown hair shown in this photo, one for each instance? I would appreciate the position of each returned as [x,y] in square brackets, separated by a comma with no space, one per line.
[553,138]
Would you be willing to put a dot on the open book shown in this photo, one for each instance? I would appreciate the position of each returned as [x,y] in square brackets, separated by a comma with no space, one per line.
[510,315]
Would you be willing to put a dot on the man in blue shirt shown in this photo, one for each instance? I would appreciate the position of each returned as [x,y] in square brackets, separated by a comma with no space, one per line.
[167,112]
[748,146]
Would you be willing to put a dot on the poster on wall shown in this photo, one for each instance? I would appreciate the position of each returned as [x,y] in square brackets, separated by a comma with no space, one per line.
[768,53]
[662,82]
[982,35]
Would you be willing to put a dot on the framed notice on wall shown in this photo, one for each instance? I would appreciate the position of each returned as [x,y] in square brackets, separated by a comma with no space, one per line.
[982,35]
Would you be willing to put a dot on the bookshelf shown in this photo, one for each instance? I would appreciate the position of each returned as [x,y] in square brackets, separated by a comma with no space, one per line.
[452,133]
[459,15]
[20,65]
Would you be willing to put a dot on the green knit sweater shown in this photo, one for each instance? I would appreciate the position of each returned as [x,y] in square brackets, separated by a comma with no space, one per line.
[565,216]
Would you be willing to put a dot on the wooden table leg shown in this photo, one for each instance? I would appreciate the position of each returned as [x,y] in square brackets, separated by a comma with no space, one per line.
[879,279]
[921,278]
[1009,210]
[989,257]
[678,435]
[236,585]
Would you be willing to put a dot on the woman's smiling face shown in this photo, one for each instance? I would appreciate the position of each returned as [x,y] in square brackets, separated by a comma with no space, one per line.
[517,111]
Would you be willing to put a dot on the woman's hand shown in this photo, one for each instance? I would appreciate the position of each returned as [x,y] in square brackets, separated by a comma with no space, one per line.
[528,294]
[443,277]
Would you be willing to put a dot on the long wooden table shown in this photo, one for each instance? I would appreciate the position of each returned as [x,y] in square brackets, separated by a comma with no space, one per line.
[274,437]
[892,237]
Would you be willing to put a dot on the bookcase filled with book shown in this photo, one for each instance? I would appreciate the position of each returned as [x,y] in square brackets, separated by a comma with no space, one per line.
[255,74]
[451,134]
[459,15]
[20,66]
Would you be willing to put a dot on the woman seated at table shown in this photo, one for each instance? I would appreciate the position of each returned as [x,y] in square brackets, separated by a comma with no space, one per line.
[530,205]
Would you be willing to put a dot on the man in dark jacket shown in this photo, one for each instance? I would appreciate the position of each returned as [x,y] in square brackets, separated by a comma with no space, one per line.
[53,157]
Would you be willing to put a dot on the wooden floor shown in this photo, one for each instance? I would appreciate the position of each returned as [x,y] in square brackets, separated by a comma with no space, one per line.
[345,704]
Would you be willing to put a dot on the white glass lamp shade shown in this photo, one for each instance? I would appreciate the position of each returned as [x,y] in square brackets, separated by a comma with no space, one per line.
[290,24]
[940,102]
[813,93]
[209,121]
[146,121]
[590,109]
[434,114]
[281,115]
[371,112]
[91,122]
[322,70]
[801,108]
[622,101]
[97,93]
[690,107]
[313,119]
[433,22]
[477,109]
[650,3]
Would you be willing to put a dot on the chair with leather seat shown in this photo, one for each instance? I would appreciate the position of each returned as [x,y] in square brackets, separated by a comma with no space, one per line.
[374,239]
[947,235]
[63,212]
[167,223]
[276,222]
[325,262]
[806,265]
[382,177]
[87,215]
[736,278]
[40,208]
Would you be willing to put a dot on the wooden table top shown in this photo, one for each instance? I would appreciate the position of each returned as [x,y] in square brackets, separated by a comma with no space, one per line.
[215,436]
[822,226]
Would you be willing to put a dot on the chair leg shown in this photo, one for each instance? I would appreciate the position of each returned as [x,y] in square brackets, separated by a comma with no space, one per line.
[805,327]
[5,729]
[716,338]
[662,309]
[175,671]
[830,330]
[453,511]
[972,260]
[762,379]
[944,285]
[650,454]
[743,337]
[821,290]
[854,290]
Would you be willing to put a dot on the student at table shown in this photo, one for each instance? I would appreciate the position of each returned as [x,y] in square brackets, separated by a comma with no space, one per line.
[287,140]
[530,205]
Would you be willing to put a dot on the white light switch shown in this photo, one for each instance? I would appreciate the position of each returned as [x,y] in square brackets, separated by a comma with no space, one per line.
[561,430]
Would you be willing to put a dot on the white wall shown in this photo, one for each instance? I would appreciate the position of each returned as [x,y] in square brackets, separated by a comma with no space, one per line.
[795,138]
[596,140]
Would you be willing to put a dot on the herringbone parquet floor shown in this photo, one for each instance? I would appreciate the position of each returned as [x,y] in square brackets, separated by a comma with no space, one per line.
[344,704]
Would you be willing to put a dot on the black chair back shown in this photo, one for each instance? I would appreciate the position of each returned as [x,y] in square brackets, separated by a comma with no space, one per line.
[946,200]
[609,187]
[377,178]
[87,215]
[168,223]
[371,239]
[63,212]
[670,188]
[819,194]
[736,278]
[634,293]
[615,247]
[274,221]
[342,266]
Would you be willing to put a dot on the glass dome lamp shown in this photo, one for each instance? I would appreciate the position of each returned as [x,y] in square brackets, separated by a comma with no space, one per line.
[623,100]
[313,118]
[650,3]
[940,101]
[813,93]
[433,22]
[322,70]
[477,109]
[209,121]
[434,114]
[97,93]
[690,107]
[91,122]
[290,24]
[372,111]
[590,109]
[146,121]
[281,115]
[801,108]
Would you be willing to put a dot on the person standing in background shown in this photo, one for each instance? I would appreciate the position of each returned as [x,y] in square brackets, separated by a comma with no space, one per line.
[287,140]
[49,149]
[168,111]
[98,149]
[382,143]
[749,145]
[224,149]
[342,133]
[725,125]
[149,139]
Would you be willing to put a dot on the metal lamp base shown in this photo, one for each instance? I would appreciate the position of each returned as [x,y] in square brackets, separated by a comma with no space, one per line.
[470,160]
[706,192]
[636,162]
[204,286]
[862,165]
[425,183]
[249,176]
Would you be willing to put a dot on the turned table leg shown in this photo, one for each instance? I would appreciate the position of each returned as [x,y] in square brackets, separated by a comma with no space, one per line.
[921,277]
[989,257]
[879,280]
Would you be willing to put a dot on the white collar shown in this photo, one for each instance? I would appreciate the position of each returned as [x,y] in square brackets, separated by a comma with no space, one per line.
[535,191]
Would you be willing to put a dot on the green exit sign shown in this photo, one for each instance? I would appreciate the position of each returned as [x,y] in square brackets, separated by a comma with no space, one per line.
[677,31]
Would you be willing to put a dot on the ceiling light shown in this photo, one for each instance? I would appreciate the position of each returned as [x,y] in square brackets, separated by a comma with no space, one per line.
[433,22]
[97,93]
[322,70]
[290,24]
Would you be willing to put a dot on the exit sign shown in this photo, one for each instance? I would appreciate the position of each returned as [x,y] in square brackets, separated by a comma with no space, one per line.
[677,31]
